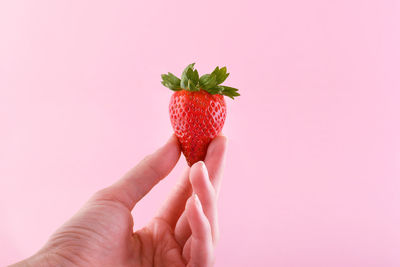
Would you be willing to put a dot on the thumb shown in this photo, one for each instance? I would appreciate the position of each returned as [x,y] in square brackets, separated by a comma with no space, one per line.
[137,182]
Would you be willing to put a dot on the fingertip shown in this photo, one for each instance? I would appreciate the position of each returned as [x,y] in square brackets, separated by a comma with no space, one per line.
[194,209]
[219,143]
[197,202]
[221,137]
[189,204]
[198,172]
[173,138]
[173,141]
[199,166]
[215,160]
[193,204]
[171,149]
[198,222]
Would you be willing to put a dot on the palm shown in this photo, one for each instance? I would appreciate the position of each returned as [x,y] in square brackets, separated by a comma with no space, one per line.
[101,233]
[164,248]
[154,245]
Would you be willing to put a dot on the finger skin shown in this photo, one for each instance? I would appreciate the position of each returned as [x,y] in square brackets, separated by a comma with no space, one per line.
[174,206]
[182,230]
[215,160]
[203,188]
[201,250]
[135,184]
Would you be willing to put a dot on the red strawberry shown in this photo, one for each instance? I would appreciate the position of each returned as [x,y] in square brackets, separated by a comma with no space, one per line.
[197,109]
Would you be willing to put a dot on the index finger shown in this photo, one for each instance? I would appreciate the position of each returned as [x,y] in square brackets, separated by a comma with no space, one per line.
[143,177]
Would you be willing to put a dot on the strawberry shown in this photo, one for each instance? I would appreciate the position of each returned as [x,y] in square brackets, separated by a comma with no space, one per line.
[197,108]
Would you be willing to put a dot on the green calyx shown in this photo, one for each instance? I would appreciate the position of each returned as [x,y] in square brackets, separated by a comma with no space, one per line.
[191,81]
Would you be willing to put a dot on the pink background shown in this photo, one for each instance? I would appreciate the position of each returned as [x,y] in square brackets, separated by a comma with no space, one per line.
[313,170]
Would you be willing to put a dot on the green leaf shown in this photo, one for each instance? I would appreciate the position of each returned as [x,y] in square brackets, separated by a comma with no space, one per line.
[203,80]
[221,74]
[229,91]
[192,86]
[171,81]
[208,81]
[193,77]
[190,66]
[186,75]
[216,90]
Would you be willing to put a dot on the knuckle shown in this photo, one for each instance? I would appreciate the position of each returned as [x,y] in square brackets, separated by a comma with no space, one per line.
[102,194]
[151,166]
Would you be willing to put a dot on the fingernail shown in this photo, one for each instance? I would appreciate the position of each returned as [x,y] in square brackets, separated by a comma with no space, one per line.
[202,165]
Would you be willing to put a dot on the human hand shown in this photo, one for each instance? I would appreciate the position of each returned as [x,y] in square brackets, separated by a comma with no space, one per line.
[183,233]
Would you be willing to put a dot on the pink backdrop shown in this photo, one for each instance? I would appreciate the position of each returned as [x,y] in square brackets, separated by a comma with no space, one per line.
[313,170]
